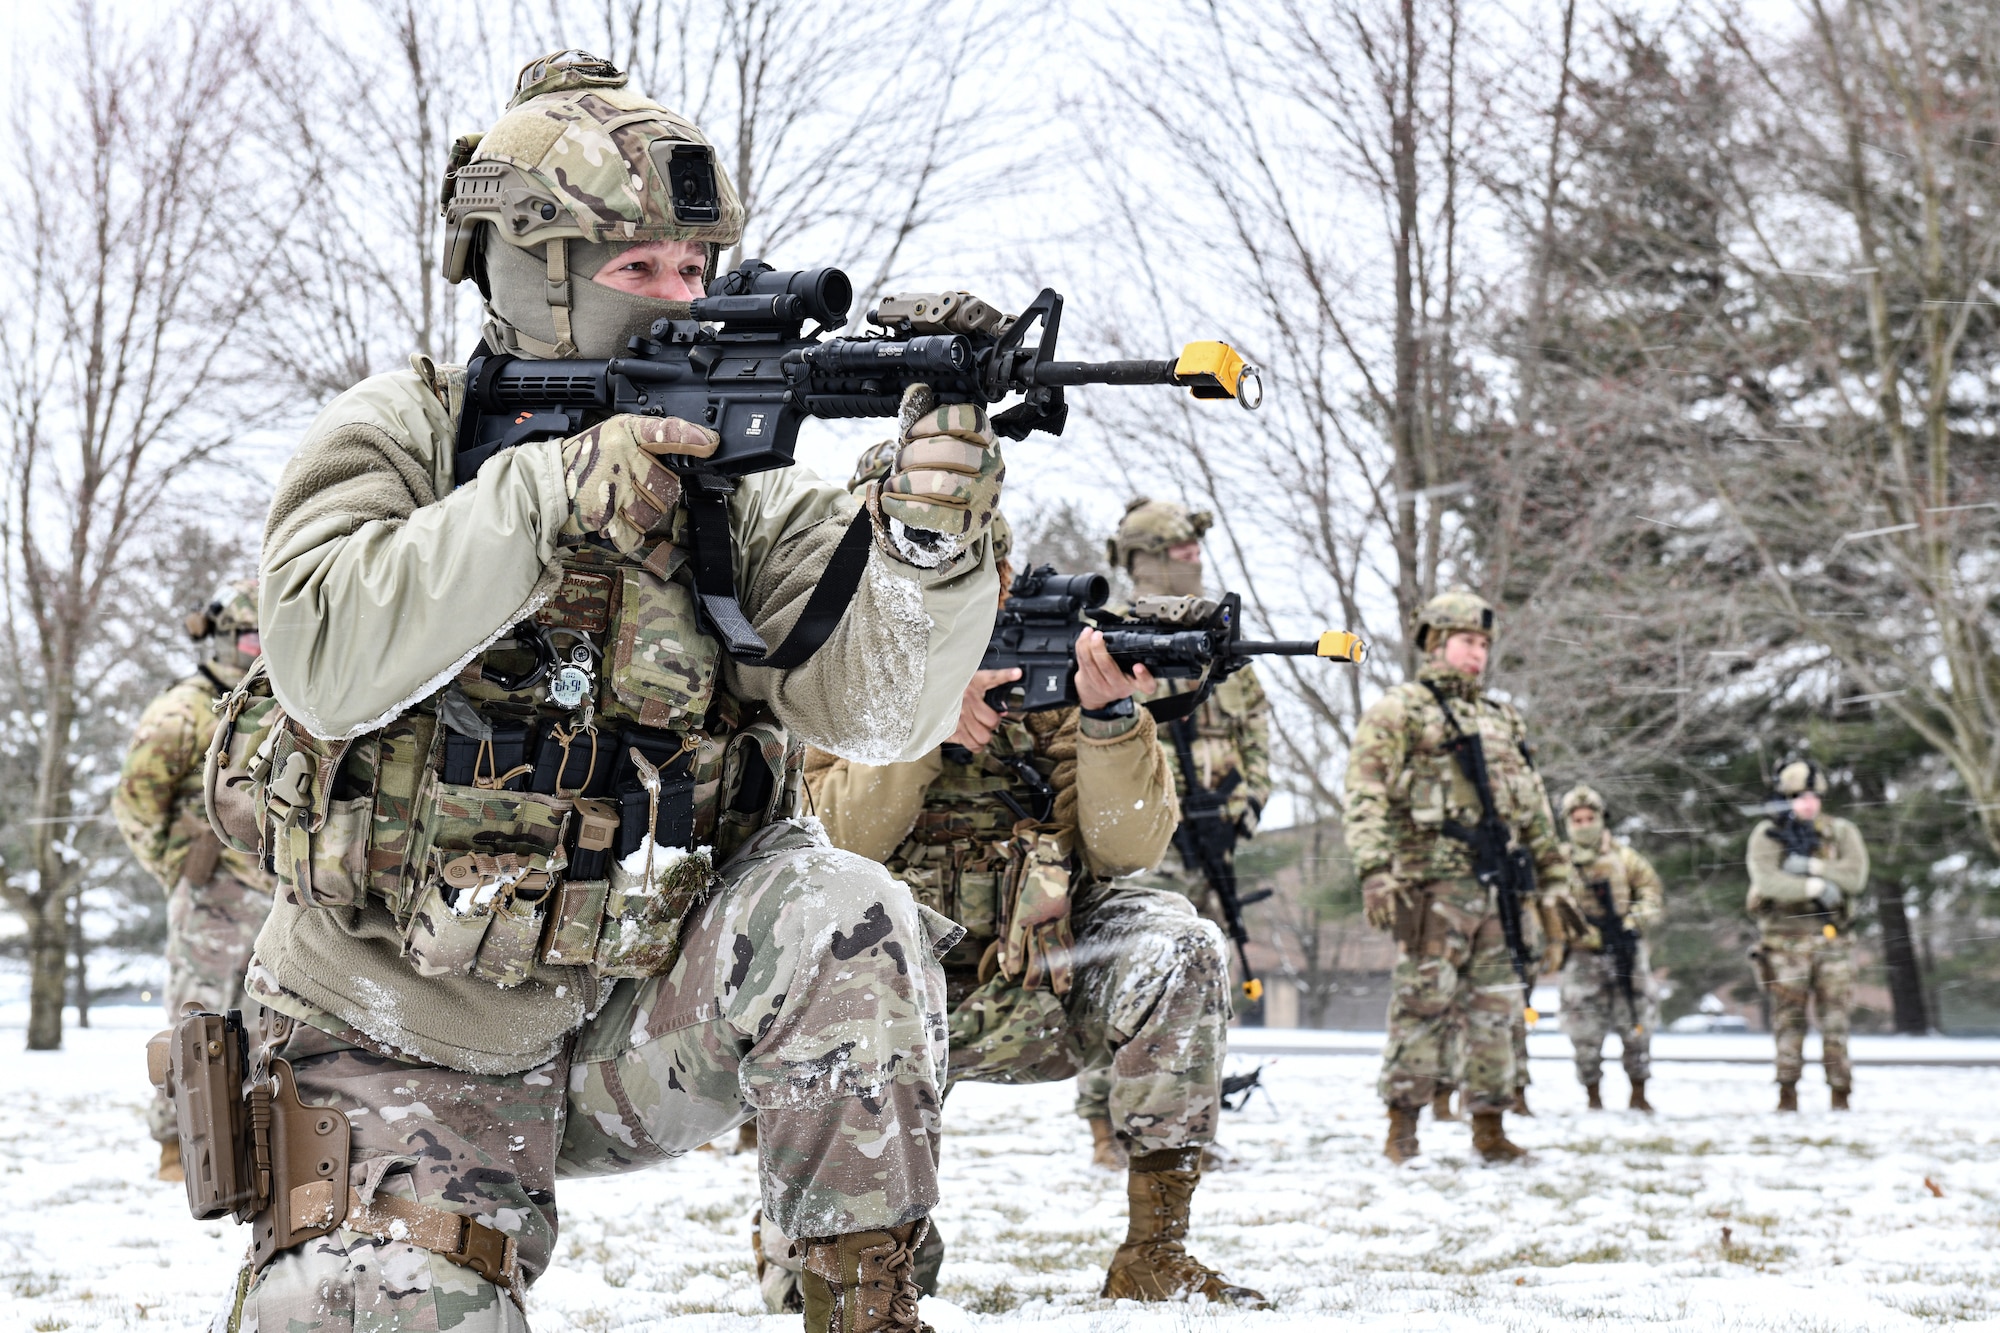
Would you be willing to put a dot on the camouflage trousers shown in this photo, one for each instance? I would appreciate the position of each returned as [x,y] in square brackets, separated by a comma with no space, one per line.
[1146,1018]
[1453,1004]
[1817,969]
[211,930]
[808,995]
[1594,1005]
[1093,1085]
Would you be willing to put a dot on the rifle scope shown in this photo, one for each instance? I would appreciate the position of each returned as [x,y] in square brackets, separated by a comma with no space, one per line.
[750,298]
[1042,591]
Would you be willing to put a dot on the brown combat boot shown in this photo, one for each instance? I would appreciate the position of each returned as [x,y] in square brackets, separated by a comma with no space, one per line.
[1788,1096]
[1596,1102]
[1105,1149]
[1152,1265]
[1520,1106]
[1402,1144]
[1639,1102]
[864,1282]
[1491,1141]
[1441,1105]
[170,1161]
[1840,1099]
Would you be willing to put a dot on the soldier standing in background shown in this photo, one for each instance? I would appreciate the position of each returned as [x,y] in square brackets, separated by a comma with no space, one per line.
[217,898]
[1225,747]
[1808,870]
[1408,804]
[1607,986]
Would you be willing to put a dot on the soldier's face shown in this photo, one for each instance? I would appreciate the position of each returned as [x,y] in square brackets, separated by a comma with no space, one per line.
[1465,650]
[249,644]
[663,270]
[1188,553]
[1806,805]
[1583,822]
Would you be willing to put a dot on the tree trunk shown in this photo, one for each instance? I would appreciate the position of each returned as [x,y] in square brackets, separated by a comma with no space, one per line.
[48,956]
[79,952]
[1899,956]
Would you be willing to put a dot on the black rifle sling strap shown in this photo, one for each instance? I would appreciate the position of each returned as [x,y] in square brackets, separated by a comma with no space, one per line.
[1182,730]
[1175,707]
[707,500]
[1459,741]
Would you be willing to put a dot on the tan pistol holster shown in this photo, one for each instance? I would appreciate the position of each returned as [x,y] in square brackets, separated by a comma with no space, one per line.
[249,1147]
[252,1150]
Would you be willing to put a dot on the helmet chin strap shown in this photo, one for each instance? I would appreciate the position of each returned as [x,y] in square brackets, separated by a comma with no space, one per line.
[558,296]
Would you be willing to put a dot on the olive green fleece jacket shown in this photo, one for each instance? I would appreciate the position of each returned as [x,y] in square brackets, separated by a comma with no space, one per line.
[380,582]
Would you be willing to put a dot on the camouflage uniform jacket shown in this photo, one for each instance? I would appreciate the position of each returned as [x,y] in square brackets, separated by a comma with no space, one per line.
[389,603]
[158,801]
[1637,896]
[1404,785]
[947,828]
[1232,734]
[1781,901]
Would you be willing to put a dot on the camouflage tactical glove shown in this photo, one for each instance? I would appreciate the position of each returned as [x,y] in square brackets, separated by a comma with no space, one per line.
[1379,895]
[945,484]
[1563,921]
[617,487]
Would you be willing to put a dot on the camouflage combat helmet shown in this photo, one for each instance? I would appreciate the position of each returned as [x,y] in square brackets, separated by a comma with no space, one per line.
[1151,526]
[215,626]
[1580,796]
[1449,611]
[578,168]
[1801,775]
[230,612]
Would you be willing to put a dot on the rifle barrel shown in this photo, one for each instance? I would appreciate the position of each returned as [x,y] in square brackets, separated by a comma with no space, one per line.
[1339,645]
[1281,647]
[1105,372]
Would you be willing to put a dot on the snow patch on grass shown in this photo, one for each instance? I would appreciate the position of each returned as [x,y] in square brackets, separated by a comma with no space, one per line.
[1712,1215]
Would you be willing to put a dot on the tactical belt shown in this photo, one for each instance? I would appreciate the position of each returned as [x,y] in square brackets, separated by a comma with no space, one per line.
[453,1237]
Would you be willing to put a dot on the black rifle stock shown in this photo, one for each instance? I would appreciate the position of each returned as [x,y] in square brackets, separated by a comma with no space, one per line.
[1496,863]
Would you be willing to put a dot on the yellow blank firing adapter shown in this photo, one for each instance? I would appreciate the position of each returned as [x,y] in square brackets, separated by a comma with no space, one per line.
[1528,1013]
[1342,646]
[1253,990]
[1217,370]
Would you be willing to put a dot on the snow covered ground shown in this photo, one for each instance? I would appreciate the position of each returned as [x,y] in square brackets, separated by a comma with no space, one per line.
[1712,1215]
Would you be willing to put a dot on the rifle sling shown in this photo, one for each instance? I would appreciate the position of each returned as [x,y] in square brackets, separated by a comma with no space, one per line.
[707,502]
[1489,814]
[1489,811]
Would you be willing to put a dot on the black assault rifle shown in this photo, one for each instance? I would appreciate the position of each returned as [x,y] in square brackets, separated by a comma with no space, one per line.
[743,365]
[1497,864]
[1174,638]
[1621,942]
